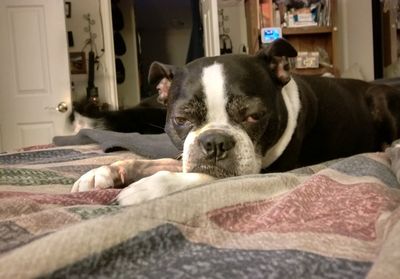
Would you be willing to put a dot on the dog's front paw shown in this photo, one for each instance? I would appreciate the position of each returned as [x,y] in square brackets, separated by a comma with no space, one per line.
[160,184]
[100,178]
[148,188]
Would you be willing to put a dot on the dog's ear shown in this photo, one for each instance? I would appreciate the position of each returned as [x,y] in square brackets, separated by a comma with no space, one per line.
[277,55]
[162,75]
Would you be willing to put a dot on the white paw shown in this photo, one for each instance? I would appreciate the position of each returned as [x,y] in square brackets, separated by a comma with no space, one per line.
[158,185]
[100,178]
[147,188]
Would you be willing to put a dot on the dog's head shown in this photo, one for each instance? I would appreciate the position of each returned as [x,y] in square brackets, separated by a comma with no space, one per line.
[226,112]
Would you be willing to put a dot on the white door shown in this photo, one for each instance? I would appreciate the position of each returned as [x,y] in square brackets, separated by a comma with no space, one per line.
[34,72]
[210,27]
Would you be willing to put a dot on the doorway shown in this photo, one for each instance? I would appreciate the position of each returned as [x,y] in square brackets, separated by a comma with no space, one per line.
[156,31]
[386,34]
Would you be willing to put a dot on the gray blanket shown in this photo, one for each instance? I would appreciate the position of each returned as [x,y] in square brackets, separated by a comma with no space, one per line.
[151,146]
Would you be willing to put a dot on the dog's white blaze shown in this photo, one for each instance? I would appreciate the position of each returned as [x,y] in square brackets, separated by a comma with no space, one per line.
[290,94]
[213,81]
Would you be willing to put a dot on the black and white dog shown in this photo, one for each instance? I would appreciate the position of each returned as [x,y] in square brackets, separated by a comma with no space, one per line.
[234,115]
[148,117]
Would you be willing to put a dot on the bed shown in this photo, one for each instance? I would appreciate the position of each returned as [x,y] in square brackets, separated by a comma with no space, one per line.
[338,219]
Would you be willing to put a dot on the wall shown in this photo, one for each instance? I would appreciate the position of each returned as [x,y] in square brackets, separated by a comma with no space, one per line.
[355,36]
[177,45]
[165,44]
[76,23]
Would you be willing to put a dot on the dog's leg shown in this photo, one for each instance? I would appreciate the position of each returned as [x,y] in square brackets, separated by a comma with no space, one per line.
[122,173]
[160,184]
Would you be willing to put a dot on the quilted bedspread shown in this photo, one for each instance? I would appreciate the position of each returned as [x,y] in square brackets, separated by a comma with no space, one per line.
[340,219]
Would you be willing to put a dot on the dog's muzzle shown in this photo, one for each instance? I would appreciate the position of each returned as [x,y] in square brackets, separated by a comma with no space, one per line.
[216,145]
[220,152]
[212,152]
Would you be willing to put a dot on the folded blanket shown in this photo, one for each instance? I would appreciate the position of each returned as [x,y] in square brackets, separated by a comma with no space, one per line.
[151,146]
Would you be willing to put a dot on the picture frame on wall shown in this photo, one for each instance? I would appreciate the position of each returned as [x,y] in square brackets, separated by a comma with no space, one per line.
[67,7]
[77,63]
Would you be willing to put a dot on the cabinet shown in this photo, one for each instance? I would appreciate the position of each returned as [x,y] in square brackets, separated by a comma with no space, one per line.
[321,38]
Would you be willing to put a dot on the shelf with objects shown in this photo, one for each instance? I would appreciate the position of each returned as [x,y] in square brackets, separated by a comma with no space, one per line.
[310,27]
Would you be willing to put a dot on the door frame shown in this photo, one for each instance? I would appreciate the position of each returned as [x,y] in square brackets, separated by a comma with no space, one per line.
[111,96]
[209,12]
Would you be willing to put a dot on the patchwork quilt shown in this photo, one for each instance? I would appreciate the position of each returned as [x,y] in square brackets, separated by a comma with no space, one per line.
[339,219]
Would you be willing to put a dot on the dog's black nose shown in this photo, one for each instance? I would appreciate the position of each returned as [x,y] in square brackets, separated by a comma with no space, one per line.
[216,145]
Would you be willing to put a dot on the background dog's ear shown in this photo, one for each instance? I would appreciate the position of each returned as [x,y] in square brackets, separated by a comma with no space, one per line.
[158,71]
[277,54]
[162,75]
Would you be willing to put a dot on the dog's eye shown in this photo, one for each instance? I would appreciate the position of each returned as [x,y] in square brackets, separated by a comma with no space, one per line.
[253,118]
[181,121]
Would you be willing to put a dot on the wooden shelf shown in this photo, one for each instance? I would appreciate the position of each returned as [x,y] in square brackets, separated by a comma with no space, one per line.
[306,38]
[315,71]
[306,30]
